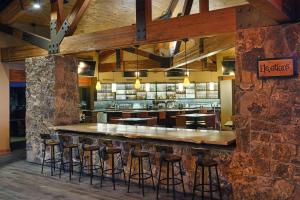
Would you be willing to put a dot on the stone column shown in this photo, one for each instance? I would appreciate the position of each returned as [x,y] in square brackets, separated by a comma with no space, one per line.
[52,98]
[266,163]
[4,109]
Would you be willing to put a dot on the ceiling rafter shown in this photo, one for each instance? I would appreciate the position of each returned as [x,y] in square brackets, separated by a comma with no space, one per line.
[278,10]
[13,10]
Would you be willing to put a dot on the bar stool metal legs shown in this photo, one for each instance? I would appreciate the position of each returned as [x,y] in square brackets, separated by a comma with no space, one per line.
[106,150]
[49,142]
[142,176]
[70,163]
[206,187]
[167,157]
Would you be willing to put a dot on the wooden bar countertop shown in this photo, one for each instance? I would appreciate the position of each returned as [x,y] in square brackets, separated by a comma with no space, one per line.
[210,137]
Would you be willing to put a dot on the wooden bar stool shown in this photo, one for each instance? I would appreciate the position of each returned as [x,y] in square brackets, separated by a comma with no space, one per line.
[136,152]
[49,142]
[89,148]
[106,150]
[167,157]
[67,145]
[204,161]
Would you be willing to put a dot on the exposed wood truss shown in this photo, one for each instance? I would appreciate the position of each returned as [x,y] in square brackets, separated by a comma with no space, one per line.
[13,11]
[60,27]
[36,40]
[163,61]
[212,46]
[185,11]
[278,10]
[143,17]
[197,25]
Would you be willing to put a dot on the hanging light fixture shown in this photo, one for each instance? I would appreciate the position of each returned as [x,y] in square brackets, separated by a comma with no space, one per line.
[114,85]
[137,84]
[98,84]
[186,80]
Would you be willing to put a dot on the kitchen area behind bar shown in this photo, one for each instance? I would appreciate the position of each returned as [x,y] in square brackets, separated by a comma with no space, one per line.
[162,94]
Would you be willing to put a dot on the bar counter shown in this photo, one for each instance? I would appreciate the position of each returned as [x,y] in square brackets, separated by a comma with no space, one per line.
[209,137]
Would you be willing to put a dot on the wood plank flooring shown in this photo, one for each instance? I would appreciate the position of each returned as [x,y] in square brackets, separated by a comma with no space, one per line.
[22,180]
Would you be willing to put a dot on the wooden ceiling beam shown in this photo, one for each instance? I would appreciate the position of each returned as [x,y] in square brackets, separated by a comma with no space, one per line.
[192,26]
[129,65]
[164,61]
[203,6]
[212,46]
[185,11]
[57,12]
[76,14]
[278,10]
[11,13]
[143,17]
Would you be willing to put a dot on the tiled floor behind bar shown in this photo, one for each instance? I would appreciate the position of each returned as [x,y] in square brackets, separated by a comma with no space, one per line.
[22,180]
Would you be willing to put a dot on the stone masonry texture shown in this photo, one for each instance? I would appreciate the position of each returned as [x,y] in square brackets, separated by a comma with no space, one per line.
[266,162]
[52,98]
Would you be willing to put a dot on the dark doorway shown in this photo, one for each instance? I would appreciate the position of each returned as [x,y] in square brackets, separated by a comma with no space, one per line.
[17,114]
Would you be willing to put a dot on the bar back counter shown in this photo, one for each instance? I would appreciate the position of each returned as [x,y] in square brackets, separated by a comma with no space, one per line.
[221,144]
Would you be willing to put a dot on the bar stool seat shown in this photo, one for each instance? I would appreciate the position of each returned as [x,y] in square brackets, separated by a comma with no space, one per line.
[71,145]
[205,162]
[141,154]
[91,148]
[111,150]
[136,152]
[71,162]
[172,158]
[87,146]
[107,149]
[167,157]
[49,142]
[52,142]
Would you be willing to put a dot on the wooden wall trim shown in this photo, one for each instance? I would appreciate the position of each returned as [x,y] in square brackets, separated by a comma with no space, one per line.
[17,75]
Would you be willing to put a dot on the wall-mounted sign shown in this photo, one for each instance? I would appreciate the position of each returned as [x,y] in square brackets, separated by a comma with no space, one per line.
[277,67]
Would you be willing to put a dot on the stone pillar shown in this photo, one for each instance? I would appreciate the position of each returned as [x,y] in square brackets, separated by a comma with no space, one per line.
[52,98]
[4,109]
[266,163]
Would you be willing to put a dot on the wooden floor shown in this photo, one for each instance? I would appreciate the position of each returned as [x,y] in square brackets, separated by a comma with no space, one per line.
[22,180]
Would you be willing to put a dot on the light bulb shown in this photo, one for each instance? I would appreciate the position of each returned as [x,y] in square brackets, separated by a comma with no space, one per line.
[186,81]
[211,85]
[36,5]
[114,87]
[137,84]
[180,87]
[147,87]
[98,86]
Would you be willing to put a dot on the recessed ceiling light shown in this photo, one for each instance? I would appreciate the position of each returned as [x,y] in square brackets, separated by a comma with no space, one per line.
[36,4]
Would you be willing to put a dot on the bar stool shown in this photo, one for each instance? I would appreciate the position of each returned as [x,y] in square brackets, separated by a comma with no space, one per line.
[204,161]
[88,147]
[136,152]
[106,150]
[49,142]
[67,145]
[167,157]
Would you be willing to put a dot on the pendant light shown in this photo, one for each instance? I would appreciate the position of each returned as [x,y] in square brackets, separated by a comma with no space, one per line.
[186,80]
[137,84]
[98,84]
[211,84]
[114,85]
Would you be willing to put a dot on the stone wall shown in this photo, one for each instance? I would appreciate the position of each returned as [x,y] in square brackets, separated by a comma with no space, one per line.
[266,163]
[52,98]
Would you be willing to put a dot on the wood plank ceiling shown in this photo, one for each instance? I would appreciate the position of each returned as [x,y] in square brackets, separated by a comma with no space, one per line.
[104,15]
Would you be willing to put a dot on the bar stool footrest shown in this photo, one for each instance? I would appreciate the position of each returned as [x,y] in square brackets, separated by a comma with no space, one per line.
[145,176]
[199,189]
[170,181]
